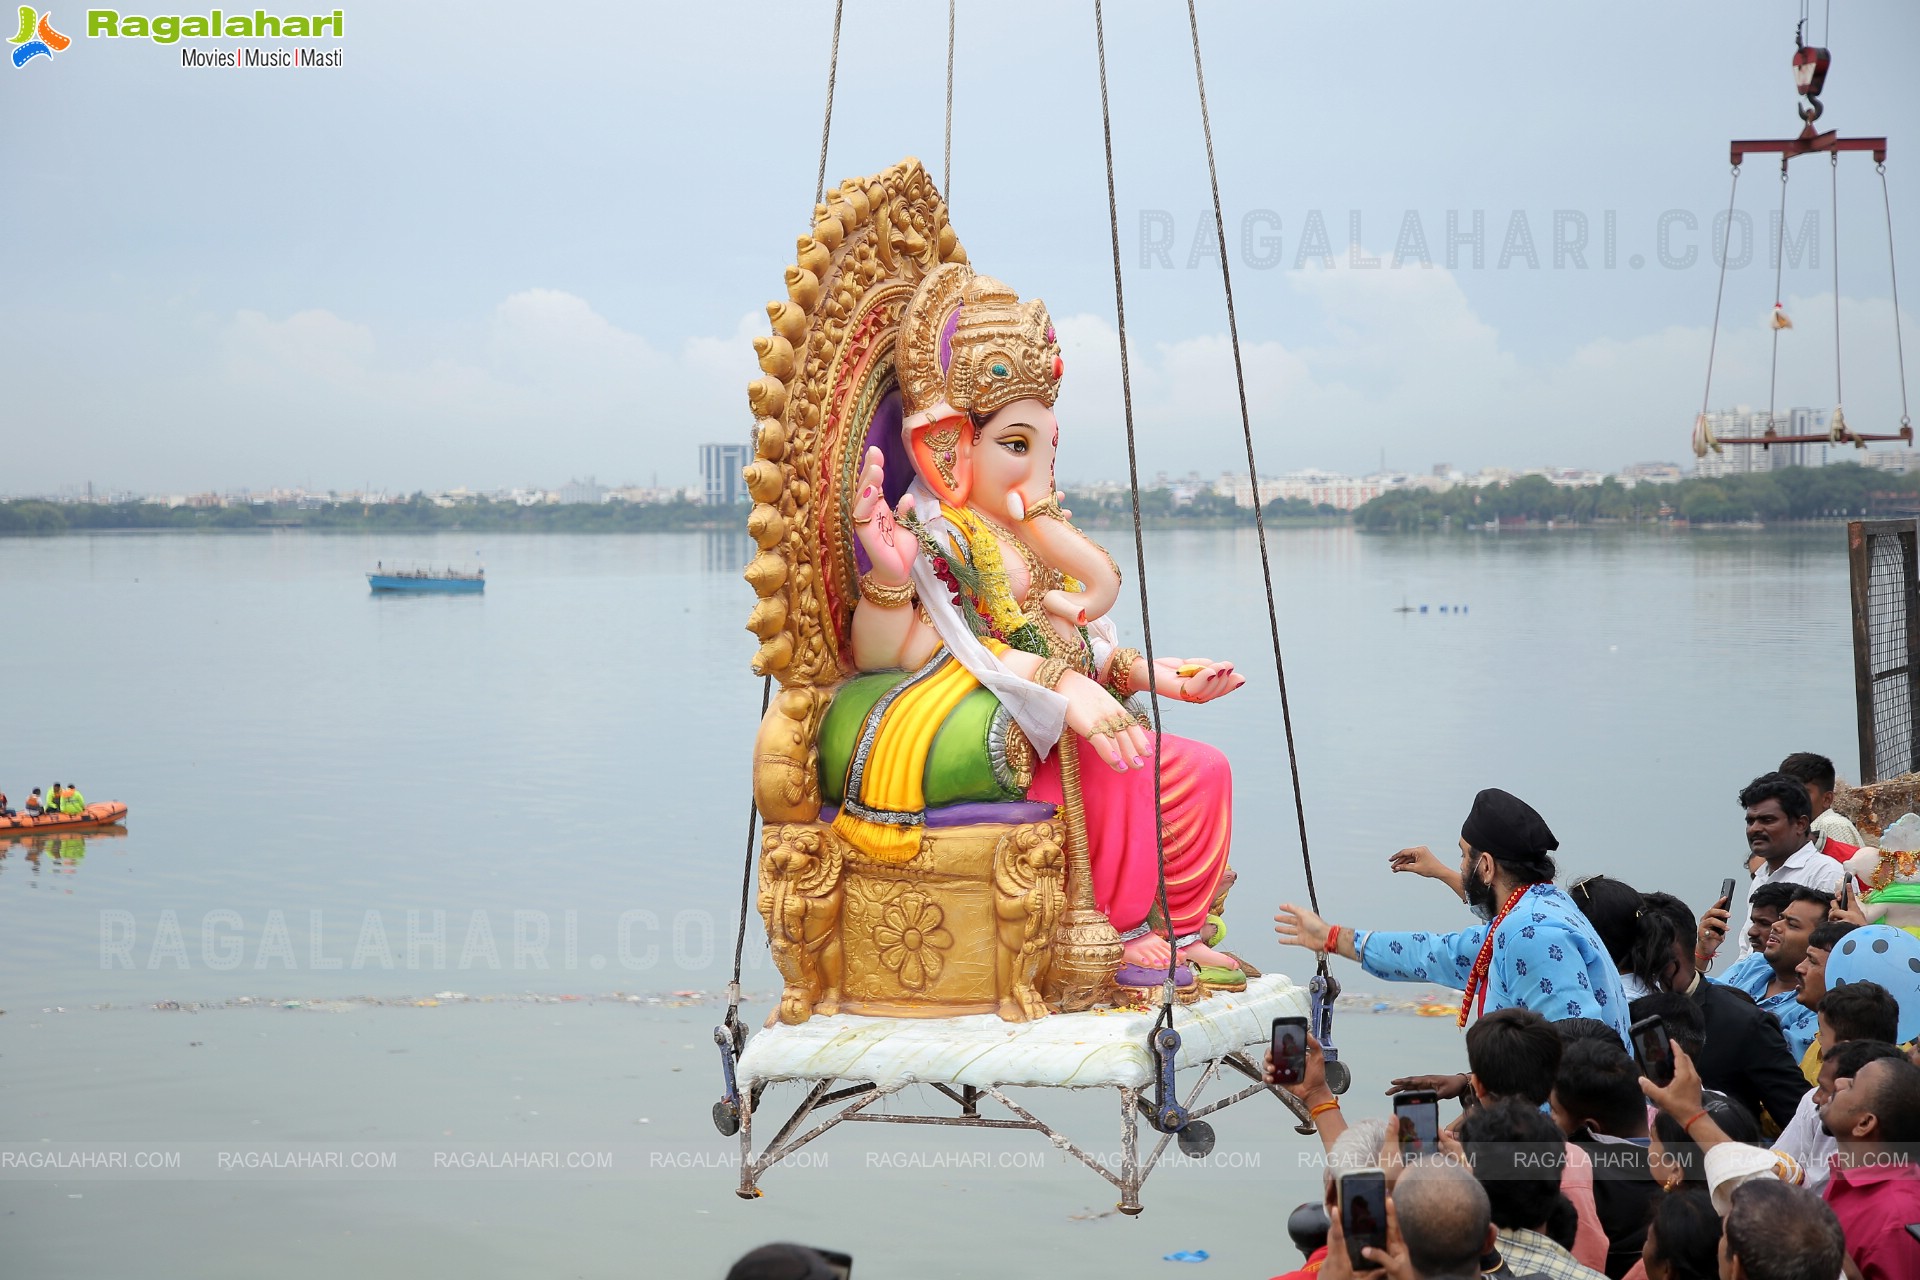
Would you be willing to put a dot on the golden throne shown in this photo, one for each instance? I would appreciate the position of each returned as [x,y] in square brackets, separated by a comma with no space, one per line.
[978,921]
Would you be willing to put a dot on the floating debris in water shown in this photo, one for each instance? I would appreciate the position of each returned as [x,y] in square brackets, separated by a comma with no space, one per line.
[341,1004]
[1430,1003]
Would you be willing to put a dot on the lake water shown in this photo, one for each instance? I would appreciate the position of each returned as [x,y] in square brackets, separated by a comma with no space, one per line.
[357,802]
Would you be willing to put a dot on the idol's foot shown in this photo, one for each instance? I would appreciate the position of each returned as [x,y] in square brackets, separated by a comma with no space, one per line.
[1201,953]
[1148,951]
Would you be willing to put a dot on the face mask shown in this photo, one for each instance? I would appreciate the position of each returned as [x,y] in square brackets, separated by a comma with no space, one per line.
[1479,892]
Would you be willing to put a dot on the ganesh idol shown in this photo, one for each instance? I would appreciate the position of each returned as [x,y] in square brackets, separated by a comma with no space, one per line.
[958,757]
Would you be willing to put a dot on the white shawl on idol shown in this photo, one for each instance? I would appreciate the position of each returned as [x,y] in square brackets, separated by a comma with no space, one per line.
[1041,713]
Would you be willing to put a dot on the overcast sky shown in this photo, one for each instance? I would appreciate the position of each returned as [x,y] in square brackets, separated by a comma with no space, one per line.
[507,246]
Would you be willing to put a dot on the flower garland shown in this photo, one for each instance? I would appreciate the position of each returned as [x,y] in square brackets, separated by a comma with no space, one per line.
[975,577]
[1482,963]
[993,596]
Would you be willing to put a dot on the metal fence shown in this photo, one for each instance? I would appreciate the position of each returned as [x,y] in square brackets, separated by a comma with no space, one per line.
[1883,559]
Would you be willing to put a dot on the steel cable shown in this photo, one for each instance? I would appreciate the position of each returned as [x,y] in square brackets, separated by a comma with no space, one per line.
[766,682]
[1139,543]
[1253,476]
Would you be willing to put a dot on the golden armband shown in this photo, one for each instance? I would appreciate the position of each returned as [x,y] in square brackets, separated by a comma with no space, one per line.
[1051,672]
[884,596]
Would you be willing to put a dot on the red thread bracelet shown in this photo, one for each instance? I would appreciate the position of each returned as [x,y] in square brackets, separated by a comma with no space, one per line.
[1333,939]
[1686,1126]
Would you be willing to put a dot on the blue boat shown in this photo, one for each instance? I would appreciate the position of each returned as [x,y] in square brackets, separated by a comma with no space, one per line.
[438,581]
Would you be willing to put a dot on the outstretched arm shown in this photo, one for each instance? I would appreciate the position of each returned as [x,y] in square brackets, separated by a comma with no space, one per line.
[1726,1162]
[1312,1090]
[1182,679]
[1443,959]
[1299,927]
[1422,861]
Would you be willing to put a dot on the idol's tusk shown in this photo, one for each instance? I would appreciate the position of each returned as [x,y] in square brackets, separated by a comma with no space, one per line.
[1016,507]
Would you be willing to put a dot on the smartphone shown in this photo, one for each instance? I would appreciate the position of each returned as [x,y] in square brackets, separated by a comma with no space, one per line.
[1653,1050]
[1845,897]
[1289,1050]
[1363,1213]
[1416,1115]
[1726,893]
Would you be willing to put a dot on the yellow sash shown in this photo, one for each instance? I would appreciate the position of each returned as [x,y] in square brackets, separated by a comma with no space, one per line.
[887,780]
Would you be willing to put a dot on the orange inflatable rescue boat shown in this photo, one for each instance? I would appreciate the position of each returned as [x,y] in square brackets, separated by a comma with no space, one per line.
[105,814]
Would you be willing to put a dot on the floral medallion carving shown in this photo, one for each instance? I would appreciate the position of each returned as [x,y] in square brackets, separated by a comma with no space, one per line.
[911,941]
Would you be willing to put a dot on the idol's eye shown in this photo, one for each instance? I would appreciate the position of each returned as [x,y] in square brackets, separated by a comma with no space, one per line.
[1016,445]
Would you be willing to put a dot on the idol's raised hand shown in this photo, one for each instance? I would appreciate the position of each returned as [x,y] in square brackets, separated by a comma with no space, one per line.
[890,549]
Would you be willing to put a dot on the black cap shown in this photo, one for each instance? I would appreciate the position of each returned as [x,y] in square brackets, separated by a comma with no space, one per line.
[1507,827]
[782,1262]
[1308,1226]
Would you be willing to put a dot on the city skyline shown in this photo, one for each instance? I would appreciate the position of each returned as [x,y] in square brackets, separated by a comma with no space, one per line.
[500,306]
[719,482]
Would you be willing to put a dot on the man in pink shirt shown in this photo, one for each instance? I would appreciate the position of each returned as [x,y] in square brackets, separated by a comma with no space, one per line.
[1875,1188]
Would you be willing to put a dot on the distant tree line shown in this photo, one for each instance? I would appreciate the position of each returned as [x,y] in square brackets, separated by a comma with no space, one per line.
[1795,493]
[1157,506]
[417,514]
[421,514]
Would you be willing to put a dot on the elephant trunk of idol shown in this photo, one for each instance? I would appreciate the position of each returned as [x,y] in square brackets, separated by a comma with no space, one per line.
[1063,547]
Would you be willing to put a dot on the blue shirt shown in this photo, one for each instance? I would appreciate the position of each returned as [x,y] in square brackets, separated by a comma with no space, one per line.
[1546,958]
[1799,1023]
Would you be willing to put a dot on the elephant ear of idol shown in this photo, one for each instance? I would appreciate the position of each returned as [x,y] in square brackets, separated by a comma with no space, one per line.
[828,382]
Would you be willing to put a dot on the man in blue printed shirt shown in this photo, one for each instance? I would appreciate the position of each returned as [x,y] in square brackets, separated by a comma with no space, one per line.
[1771,975]
[1537,951]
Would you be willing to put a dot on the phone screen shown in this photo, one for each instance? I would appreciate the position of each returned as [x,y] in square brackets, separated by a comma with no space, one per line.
[1653,1050]
[1363,1213]
[1417,1119]
[1289,1050]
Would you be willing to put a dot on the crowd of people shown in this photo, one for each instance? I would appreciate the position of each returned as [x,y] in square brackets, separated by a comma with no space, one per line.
[58,799]
[1773,1140]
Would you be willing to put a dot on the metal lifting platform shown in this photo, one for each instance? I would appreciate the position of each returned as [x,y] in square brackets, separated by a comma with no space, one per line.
[852,1064]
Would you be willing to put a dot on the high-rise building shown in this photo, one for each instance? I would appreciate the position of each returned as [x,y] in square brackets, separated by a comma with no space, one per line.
[720,468]
[577,491]
[1742,459]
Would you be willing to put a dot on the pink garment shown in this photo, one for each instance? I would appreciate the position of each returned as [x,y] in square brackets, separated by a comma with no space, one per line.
[1590,1242]
[1196,808]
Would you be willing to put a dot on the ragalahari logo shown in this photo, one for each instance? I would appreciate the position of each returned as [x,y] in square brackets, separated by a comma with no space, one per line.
[37,38]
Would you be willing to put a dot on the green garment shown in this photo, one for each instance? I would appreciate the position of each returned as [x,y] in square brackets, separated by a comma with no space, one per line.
[72,801]
[967,761]
[1902,893]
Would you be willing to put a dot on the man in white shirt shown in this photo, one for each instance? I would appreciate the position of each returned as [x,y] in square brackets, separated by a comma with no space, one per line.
[1815,773]
[1779,816]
